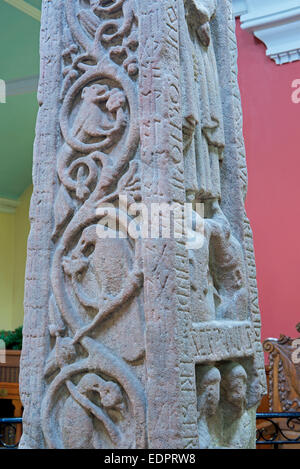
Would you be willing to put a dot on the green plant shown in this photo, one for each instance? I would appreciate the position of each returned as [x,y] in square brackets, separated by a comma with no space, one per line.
[12,339]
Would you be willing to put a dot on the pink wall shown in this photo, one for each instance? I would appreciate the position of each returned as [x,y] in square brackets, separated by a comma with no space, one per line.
[272,131]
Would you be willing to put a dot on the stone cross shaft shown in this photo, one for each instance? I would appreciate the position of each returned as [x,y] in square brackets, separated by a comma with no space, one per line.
[142,327]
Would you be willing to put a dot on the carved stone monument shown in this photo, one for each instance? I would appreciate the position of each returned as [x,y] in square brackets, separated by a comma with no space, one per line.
[133,338]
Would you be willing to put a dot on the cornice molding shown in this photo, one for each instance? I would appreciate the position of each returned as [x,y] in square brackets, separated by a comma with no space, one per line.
[276,23]
[239,7]
[8,205]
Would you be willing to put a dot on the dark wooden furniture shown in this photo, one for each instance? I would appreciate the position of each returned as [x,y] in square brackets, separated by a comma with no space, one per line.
[284,373]
[9,384]
[283,376]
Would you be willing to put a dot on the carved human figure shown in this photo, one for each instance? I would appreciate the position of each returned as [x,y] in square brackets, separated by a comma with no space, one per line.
[202,118]
[217,270]
[218,278]
[226,265]
[208,396]
[237,421]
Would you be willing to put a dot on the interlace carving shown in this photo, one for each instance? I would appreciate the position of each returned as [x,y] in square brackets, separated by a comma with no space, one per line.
[96,162]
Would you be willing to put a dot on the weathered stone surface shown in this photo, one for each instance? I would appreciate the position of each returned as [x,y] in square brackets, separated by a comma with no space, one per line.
[135,336]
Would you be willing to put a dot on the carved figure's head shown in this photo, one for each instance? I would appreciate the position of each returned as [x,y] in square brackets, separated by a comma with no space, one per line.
[116,100]
[109,392]
[111,395]
[78,261]
[89,382]
[95,93]
[208,389]
[234,384]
